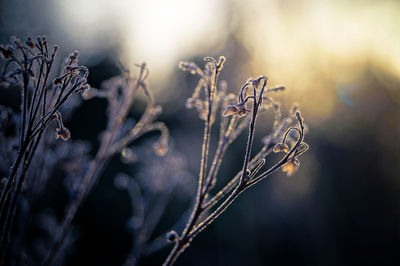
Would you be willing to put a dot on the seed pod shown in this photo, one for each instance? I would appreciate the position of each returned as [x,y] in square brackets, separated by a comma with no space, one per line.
[57,81]
[30,43]
[281,147]
[291,166]
[172,236]
[63,133]
[160,148]
[231,110]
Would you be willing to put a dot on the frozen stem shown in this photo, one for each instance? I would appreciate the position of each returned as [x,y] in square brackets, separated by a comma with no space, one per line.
[252,92]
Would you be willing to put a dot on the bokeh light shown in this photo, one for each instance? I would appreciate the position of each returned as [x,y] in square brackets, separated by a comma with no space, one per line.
[316,48]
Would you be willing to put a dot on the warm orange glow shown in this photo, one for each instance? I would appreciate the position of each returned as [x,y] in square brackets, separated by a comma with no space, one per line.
[315,47]
[318,50]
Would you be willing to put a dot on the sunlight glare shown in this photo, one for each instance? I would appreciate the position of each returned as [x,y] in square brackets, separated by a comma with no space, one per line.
[159,33]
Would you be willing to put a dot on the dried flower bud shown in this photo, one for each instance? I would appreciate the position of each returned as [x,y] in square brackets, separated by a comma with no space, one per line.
[68,69]
[237,109]
[74,55]
[281,147]
[160,148]
[84,88]
[291,166]
[172,236]
[189,103]
[231,110]
[63,133]
[183,65]
[71,70]
[30,43]
[57,81]
[221,62]
[88,93]
[187,66]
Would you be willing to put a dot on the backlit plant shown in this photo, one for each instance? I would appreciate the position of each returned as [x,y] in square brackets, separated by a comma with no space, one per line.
[234,116]
[40,144]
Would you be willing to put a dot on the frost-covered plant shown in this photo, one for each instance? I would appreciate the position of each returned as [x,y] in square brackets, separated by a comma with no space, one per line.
[36,149]
[45,99]
[27,68]
[61,162]
[235,115]
[121,93]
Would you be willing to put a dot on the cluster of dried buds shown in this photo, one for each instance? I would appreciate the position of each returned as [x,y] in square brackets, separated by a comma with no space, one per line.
[121,92]
[28,68]
[292,164]
[61,131]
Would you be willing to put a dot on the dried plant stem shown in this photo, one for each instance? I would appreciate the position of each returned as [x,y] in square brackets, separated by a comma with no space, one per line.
[234,181]
[10,193]
[182,243]
[184,240]
[224,141]
[245,178]
[242,184]
[111,144]
[11,211]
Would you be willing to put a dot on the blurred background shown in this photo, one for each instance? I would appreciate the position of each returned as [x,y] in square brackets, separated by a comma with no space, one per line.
[340,60]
